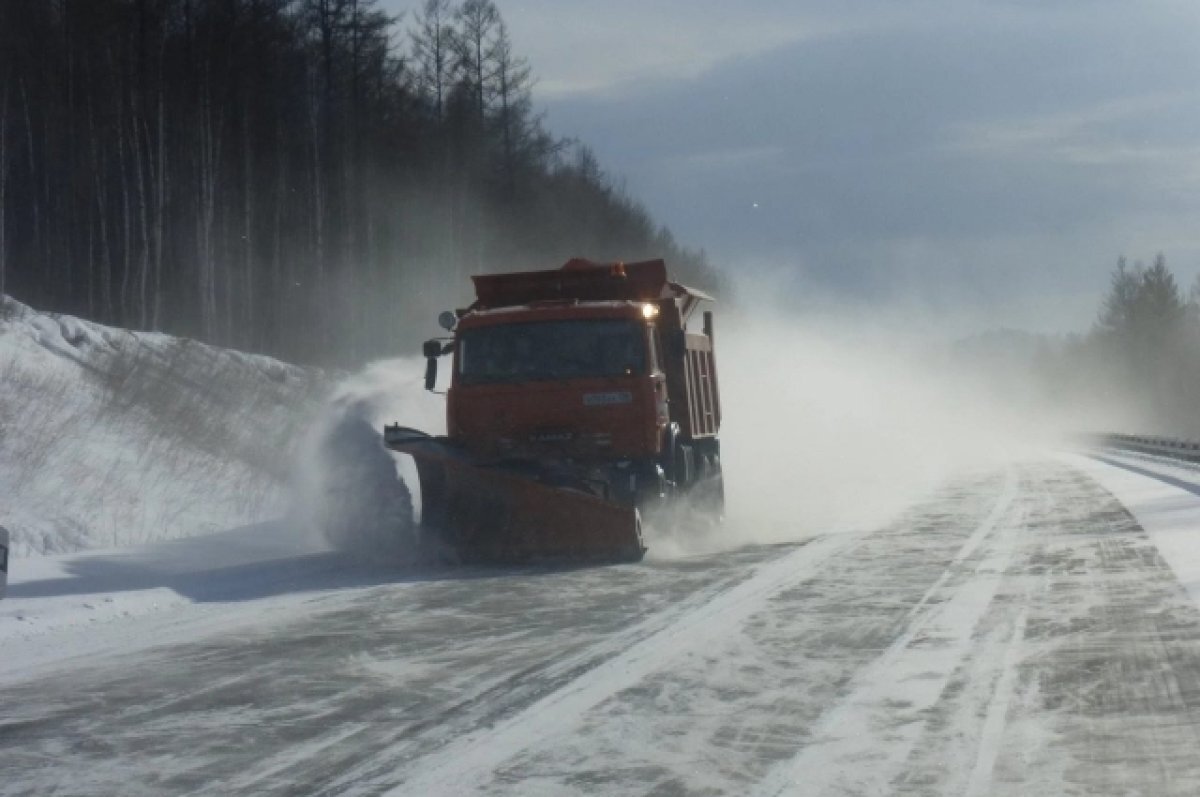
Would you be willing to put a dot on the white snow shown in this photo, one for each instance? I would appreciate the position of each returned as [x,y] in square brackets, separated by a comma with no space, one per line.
[883,717]
[119,600]
[138,473]
[464,766]
[110,437]
[518,680]
[1168,512]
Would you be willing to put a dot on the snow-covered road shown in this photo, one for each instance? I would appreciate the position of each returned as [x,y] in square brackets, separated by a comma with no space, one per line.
[1020,632]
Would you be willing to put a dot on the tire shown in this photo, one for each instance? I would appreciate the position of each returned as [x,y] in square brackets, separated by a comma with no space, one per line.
[680,467]
[714,487]
[636,553]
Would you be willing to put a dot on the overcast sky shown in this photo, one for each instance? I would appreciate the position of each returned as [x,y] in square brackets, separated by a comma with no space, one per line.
[988,160]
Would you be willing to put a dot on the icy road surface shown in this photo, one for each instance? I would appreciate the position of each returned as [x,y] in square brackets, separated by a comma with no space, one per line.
[1019,633]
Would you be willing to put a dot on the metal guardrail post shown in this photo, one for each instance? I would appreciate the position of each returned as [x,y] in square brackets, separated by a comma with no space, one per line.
[4,542]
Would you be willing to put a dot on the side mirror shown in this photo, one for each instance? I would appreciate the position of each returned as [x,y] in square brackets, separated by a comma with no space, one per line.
[432,349]
[430,373]
[447,320]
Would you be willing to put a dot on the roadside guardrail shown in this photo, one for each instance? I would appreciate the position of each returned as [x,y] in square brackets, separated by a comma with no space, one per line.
[3,561]
[1175,448]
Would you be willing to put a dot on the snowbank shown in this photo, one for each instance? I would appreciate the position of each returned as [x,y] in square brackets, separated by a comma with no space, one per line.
[1164,497]
[110,437]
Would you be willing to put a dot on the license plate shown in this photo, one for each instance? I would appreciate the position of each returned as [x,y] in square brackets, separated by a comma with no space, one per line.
[605,399]
[552,437]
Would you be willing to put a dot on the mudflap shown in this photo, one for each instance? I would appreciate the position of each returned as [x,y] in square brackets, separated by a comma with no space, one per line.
[473,511]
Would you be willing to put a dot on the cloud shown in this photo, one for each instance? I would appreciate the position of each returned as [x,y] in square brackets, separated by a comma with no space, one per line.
[719,160]
[1153,132]
[606,48]
[995,152]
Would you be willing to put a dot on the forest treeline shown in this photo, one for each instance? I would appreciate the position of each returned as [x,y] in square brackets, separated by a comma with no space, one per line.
[1137,370]
[1142,355]
[309,178]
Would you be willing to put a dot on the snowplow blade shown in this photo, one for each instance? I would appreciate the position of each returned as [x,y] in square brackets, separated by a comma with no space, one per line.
[474,511]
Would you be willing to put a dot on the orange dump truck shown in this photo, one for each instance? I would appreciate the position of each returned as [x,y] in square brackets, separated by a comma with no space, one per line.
[578,399]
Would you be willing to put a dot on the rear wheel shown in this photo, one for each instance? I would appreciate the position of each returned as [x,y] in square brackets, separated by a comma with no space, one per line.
[680,468]
[710,490]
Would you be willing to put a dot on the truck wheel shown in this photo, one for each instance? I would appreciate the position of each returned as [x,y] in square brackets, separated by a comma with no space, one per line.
[682,470]
[714,487]
[708,495]
[638,551]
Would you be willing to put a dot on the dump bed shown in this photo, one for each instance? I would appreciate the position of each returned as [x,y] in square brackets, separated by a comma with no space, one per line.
[581,280]
[689,363]
[703,411]
[586,281]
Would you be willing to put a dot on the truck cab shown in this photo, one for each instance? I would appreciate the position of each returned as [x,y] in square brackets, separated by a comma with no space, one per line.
[580,381]
[589,367]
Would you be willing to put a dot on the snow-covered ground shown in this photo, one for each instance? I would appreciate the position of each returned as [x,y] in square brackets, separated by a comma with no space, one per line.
[1030,629]
[111,437]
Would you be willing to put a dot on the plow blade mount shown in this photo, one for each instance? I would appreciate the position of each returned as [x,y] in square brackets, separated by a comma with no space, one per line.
[512,512]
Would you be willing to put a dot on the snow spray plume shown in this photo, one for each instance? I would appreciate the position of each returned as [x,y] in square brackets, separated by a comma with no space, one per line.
[349,487]
[832,423]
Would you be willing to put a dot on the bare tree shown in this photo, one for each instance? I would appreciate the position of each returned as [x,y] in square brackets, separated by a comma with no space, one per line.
[475,42]
[512,86]
[278,174]
[433,49]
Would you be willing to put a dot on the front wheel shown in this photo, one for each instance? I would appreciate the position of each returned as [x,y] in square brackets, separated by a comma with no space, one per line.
[635,553]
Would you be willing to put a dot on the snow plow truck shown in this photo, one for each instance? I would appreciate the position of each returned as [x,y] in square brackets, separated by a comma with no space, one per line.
[579,400]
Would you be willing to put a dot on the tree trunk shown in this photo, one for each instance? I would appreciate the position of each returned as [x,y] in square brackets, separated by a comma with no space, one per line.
[141,153]
[160,189]
[101,206]
[123,296]
[3,186]
[35,205]
[249,333]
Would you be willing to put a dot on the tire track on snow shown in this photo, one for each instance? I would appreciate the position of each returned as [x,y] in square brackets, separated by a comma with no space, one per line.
[467,764]
[859,743]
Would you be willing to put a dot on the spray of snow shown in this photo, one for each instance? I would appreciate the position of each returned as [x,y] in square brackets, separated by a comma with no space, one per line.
[823,433]
[832,426]
[350,489]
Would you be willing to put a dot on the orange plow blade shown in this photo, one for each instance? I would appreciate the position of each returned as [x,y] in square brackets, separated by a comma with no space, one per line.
[498,512]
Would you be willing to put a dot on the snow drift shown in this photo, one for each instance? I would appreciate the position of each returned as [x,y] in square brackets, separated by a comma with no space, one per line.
[110,437]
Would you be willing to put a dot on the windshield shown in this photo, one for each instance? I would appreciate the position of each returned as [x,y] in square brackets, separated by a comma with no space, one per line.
[548,350]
